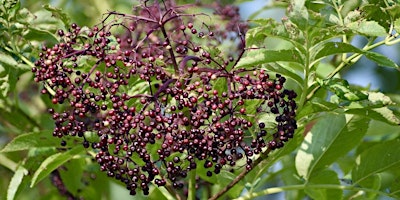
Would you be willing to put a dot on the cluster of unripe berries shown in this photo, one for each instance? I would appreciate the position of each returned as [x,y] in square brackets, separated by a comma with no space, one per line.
[161,99]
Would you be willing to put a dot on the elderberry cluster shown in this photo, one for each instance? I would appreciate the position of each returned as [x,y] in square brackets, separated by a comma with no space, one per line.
[161,98]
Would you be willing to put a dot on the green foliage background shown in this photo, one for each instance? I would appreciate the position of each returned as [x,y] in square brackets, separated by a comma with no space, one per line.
[347,144]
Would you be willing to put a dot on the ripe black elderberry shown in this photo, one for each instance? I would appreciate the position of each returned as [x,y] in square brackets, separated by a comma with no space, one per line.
[160,99]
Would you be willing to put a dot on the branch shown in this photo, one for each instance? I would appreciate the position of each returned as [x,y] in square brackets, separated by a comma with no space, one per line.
[58,183]
[171,52]
[241,176]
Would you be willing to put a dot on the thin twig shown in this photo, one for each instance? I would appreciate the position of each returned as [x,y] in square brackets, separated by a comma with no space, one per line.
[59,184]
[241,175]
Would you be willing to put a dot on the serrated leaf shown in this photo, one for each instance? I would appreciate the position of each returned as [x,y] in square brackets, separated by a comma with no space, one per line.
[375,11]
[333,19]
[383,114]
[394,11]
[324,177]
[4,86]
[53,162]
[377,159]
[331,48]
[16,182]
[58,13]
[45,21]
[342,89]
[330,138]
[262,56]
[159,194]
[352,16]
[380,59]
[271,29]
[379,98]
[316,105]
[31,140]
[368,28]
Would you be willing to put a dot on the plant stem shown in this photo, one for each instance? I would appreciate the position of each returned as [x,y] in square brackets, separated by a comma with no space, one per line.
[8,163]
[172,192]
[354,58]
[262,157]
[192,185]
[307,67]
[275,190]
[171,52]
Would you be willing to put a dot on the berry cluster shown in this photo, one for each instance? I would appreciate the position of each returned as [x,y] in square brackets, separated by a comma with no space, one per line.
[161,97]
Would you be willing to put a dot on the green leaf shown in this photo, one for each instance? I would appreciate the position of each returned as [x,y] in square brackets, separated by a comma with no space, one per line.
[41,35]
[273,157]
[352,16]
[378,158]
[342,89]
[373,182]
[378,99]
[314,106]
[72,173]
[4,85]
[331,48]
[330,138]
[376,11]
[7,60]
[380,59]
[14,115]
[202,173]
[53,162]
[324,177]
[288,177]
[286,70]
[159,194]
[383,114]
[58,13]
[323,69]
[16,182]
[226,177]
[299,14]
[31,140]
[381,131]
[367,28]
[262,56]
[397,25]
[271,29]
[394,11]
